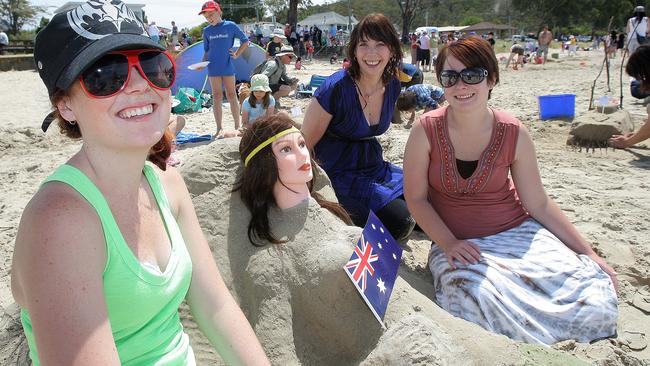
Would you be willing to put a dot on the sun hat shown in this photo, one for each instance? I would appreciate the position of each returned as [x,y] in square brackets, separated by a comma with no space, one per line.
[639,9]
[210,6]
[75,39]
[285,50]
[278,33]
[260,82]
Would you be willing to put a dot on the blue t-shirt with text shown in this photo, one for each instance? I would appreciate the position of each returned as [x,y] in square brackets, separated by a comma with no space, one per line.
[217,41]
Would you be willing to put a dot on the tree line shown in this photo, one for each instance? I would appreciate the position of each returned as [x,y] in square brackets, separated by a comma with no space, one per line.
[567,16]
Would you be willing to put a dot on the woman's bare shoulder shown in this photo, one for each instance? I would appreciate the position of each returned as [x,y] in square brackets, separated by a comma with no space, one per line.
[58,230]
[58,208]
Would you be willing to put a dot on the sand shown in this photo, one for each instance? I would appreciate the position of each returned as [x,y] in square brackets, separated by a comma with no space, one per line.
[603,191]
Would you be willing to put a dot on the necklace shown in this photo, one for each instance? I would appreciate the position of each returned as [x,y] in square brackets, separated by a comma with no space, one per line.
[366,96]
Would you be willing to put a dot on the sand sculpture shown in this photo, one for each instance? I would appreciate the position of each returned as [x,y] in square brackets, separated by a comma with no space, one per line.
[298,299]
[593,128]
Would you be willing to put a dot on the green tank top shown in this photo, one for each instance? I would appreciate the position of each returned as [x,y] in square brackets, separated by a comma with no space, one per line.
[142,302]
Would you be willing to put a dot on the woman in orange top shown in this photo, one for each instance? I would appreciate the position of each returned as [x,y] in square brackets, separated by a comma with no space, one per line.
[504,254]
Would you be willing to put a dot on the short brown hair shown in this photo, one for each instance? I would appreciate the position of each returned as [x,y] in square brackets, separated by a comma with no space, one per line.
[472,51]
[158,154]
[377,27]
[406,101]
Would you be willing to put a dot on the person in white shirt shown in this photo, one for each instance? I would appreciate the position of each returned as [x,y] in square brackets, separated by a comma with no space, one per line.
[425,53]
[637,29]
[154,32]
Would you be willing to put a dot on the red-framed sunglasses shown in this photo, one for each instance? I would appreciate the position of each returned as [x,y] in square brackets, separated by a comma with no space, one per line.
[110,74]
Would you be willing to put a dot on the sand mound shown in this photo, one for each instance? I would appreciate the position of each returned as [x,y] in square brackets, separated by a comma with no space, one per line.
[298,299]
[593,128]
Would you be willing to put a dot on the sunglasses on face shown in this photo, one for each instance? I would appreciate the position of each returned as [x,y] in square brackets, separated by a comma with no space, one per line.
[110,74]
[471,76]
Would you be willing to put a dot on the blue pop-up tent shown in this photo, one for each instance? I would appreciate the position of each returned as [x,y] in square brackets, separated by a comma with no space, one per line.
[185,78]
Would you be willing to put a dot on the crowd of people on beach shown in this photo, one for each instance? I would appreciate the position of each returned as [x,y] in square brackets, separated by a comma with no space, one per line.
[304,40]
[503,254]
[171,38]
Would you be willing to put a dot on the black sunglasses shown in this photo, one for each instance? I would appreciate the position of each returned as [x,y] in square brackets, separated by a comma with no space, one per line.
[470,75]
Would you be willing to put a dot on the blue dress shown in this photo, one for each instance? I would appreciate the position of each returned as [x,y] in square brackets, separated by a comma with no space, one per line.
[349,151]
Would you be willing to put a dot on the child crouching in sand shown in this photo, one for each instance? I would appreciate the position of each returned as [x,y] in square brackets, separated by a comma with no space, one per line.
[419,96]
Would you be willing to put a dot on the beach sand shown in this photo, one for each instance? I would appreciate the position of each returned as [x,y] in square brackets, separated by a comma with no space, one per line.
[604,192]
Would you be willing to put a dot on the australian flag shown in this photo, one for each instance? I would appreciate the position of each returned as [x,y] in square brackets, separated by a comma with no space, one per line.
[373,266]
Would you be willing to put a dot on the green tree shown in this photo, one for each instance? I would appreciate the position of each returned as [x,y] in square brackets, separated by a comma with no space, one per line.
[14,14]
[292,14]
[197,32]
[237,10]
[44,21]
[471,20]
[407,9]
[292,11]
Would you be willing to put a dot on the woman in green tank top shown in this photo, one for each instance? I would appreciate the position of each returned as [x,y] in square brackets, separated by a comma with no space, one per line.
[110,245]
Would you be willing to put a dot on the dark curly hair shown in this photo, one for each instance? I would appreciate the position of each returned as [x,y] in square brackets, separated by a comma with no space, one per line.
[406,101]
[260,175]
[158,154]
[377,27]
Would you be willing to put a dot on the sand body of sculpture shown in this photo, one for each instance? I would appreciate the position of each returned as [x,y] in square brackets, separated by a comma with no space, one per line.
[298,299]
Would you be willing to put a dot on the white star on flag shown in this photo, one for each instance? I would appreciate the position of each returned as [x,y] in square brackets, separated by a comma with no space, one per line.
[381,285]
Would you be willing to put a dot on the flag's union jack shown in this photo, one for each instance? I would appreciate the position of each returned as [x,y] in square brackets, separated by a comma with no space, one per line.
[362,264]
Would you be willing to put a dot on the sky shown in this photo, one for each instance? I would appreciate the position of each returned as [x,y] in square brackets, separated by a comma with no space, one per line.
[183,12]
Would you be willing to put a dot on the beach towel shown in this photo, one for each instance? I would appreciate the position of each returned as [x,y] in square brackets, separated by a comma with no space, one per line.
[184,138]
[528,286]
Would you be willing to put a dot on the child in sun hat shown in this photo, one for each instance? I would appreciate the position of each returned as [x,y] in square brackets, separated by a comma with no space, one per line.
[218,39]
[260,103]
[110,246]
[276,43]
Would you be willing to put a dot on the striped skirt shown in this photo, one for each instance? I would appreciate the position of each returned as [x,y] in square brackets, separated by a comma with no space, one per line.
[528,286]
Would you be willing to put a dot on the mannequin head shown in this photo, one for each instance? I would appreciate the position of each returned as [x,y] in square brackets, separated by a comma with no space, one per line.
[279,174]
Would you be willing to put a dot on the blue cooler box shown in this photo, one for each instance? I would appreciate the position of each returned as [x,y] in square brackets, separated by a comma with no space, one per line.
[558,105]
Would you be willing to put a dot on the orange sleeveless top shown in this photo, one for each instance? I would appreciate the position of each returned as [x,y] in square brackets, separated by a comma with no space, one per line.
[486,203]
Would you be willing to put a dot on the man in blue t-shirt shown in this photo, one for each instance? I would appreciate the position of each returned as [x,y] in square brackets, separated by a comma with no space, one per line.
[218,38]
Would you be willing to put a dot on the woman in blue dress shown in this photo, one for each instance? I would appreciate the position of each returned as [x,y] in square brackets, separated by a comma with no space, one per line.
[350,109]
